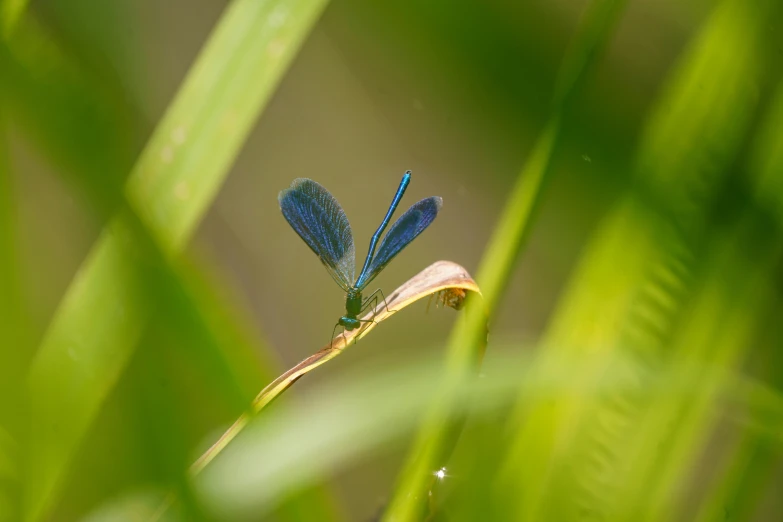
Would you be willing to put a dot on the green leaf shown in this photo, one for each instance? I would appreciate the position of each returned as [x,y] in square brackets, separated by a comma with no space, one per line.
[101,317]
[351,415]
[14,336]
[79,120]
[438,434]
[749,463]
[575,456]
[360,412]
[10,12]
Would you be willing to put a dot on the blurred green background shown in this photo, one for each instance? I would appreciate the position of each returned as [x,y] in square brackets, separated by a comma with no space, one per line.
[612,176]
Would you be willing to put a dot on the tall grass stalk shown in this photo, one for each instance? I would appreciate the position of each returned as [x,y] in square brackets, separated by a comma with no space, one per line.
[438,434]
[101,317]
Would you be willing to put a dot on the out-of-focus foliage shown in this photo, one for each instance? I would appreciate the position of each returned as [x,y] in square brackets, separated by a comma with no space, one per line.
[613,168]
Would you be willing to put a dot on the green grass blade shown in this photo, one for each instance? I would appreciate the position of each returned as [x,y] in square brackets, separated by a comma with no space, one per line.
[718,330]
[749,462]
[79,120]
[371,409]
[767,158]
[10,12]
[438,433]
[11,303]
[515,224]
[212,314]
[740,481]
[101,317]
[51,90]
[13,339]
[10,477]
[366,408]
[576,454]
[202,132]
[734,38]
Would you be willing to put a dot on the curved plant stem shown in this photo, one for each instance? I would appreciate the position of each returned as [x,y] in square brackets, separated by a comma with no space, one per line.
[438,277]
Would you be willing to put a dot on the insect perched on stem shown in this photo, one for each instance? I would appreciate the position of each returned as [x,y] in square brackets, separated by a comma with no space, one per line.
[321,222]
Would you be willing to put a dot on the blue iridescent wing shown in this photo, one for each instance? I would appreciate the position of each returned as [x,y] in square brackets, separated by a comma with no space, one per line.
[320,221]
[402,232]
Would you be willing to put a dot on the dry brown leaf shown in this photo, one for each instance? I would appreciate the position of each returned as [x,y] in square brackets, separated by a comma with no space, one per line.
[451,282]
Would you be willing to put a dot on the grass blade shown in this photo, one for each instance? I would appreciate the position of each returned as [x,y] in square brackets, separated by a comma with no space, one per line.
[80,122]
[441,276]
[101,317]
[10,12]
[356,413]
[348,408]
[438,434]
[13,337]
[749,462]
[577,454]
